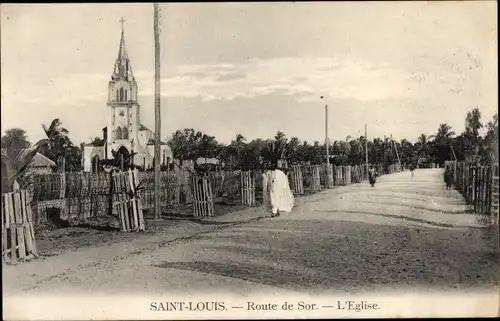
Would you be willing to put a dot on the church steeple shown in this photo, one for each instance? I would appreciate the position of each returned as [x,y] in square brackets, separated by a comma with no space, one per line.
[122,69]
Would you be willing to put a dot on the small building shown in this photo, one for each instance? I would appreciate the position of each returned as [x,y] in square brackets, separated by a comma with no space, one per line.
[40,165]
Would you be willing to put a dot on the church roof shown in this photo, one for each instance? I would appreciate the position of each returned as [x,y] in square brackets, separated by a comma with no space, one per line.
[122,68]
[96,144]
[152,142]
[142,127]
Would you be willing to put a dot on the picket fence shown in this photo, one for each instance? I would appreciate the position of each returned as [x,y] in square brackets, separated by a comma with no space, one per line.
[248,188]
[127,203]
[203,203]
[296,180]
[89,195]
[18,236]
[478,185]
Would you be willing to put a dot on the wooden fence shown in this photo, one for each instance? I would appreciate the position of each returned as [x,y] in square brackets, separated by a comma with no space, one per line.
[296,180]
[126,201]
[478,185]
[312,177]
[18,236]
[248,188]
[494,195]
[89,195]
[203,203]
[327,173]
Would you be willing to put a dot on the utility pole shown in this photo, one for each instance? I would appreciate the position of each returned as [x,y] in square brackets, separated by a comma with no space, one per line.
[327,143]
[157,111]
[397,154]
[453,151]
[326,135]
[366,147]
[329,174]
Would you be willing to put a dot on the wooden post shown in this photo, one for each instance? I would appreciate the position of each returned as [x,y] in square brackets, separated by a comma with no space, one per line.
[366,148]
[494,208]
[327,143]
[157,110]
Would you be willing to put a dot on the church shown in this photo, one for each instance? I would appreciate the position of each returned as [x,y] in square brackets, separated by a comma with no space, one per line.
[124,134]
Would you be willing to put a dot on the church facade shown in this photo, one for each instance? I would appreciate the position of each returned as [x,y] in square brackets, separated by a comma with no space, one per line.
[124,133]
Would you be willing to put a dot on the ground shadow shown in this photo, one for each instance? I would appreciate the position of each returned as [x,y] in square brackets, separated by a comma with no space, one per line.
[418,207]
[402,217]
[346,256]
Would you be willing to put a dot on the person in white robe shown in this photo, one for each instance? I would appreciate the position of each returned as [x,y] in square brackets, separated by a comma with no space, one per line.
[278,196]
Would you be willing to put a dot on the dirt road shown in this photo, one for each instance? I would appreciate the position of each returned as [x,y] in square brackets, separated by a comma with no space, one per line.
[403,232]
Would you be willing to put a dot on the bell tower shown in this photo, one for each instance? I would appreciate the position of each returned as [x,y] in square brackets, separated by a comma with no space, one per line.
[122,103]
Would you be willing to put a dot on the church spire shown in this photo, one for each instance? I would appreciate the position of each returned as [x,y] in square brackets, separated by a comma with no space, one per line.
[122,68]
[122,52]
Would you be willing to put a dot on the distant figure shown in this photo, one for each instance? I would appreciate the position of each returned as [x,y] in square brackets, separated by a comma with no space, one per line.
[277,193]
[412,169]
[372,176]
[448,177]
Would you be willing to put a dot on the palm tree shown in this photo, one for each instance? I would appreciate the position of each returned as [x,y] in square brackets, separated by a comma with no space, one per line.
[444,131]
[15,161]
[424,146]
[442,141]
[276,149]
[15,136]
[236,149]
[58,141]
[55,129]
[406,151]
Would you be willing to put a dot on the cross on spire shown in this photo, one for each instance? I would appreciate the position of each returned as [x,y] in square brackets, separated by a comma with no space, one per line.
[122,21]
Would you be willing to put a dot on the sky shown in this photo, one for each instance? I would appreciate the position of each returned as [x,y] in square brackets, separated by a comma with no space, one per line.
[402,68]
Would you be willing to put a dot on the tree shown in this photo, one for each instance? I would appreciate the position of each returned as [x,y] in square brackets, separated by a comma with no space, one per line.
[424,148]
[116,162]
[15,162]
[185,144]
[276,149]
[294,154]
[97,141]
[442,143]
[317,153]
[356,155]
[472,140]
[252,155]
[406,151]
[235,151]
[207,147]
[490,150]
[59,146]
[16,137]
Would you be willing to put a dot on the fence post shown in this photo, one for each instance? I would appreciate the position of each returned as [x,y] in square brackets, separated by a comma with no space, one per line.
[494,209]
[297,180]
[247,188]
[329,176]
[62,190]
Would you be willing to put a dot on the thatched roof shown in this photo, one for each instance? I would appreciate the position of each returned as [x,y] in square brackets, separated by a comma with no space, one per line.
[41,161]
[202,160]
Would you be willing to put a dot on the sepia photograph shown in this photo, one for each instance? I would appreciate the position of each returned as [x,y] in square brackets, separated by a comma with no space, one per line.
[264,160]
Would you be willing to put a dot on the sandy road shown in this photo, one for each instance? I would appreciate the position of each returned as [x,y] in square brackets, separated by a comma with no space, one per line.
[404,232]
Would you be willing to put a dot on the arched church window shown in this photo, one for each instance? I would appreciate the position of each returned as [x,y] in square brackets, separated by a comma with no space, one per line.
[125,132]
[95,163]
[125,95]
[117,95]
[118,133]
[121,94]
